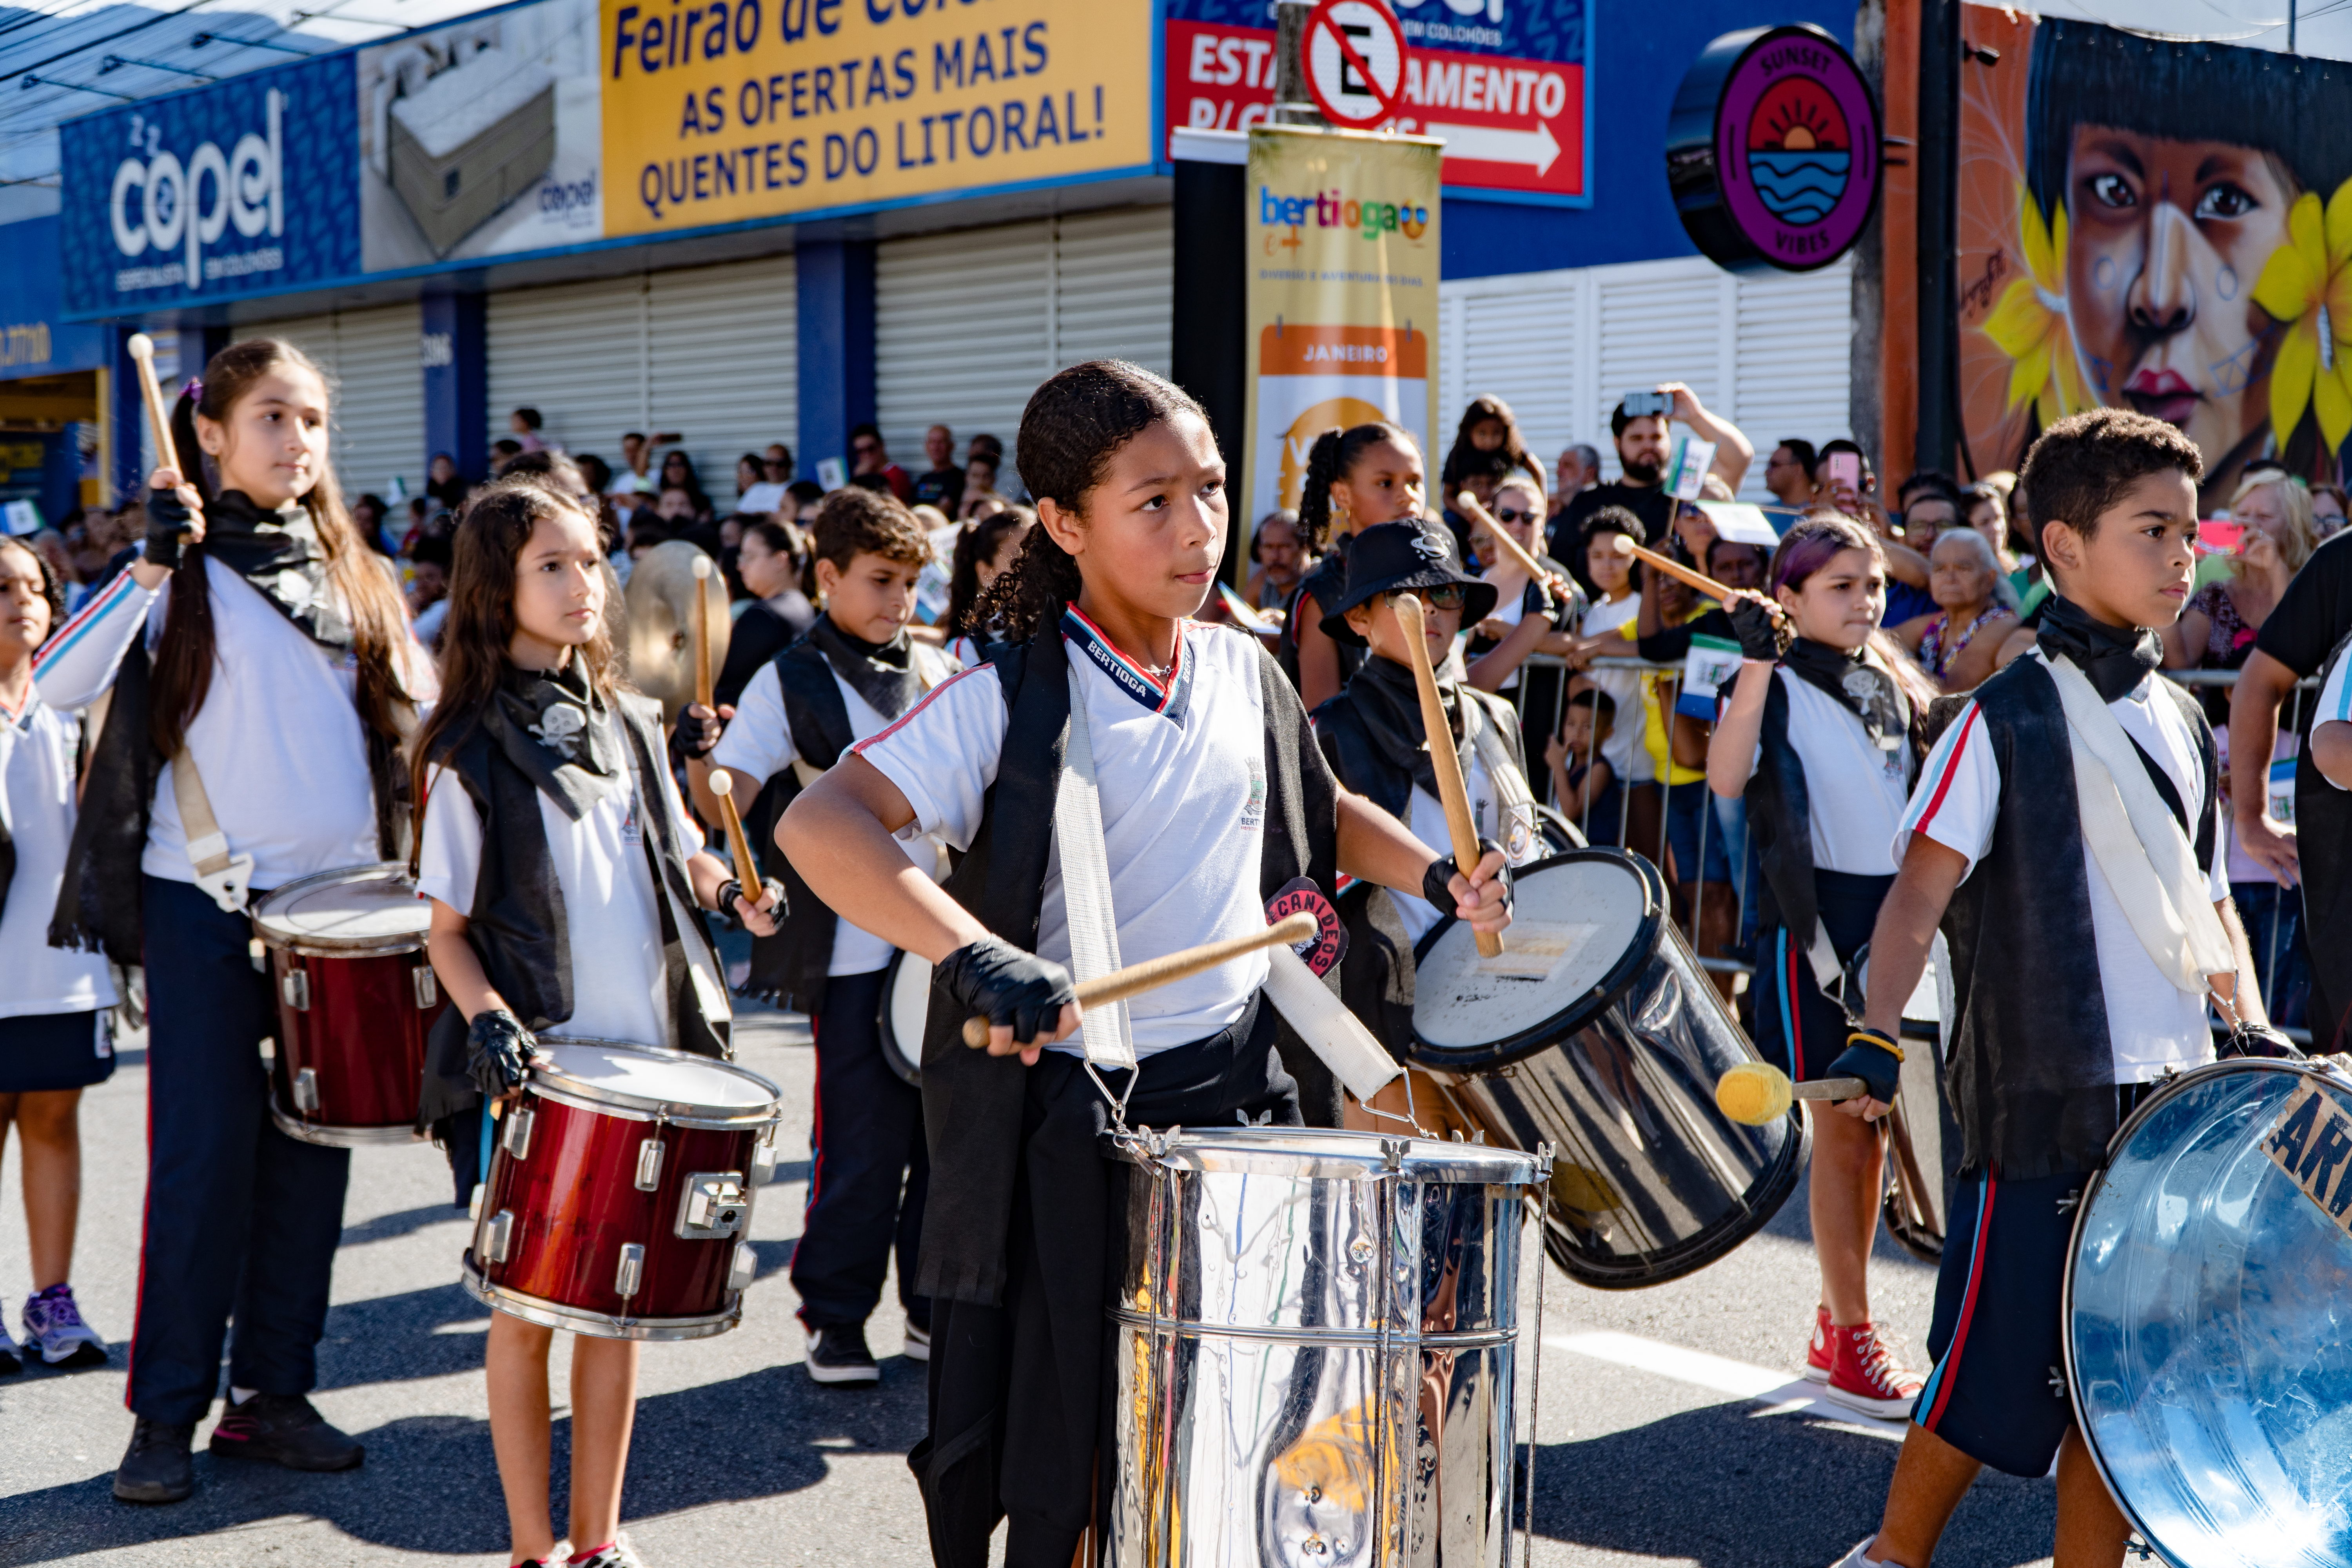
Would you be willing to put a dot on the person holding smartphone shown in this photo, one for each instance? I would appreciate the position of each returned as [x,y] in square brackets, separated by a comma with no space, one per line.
[1639,426]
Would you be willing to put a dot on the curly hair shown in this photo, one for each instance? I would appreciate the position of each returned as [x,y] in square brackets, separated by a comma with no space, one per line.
[1076,423]
[2081,466]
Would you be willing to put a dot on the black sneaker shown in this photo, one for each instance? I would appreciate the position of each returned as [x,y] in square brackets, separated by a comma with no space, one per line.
[156,1467]
[286,1430]
[839,1355]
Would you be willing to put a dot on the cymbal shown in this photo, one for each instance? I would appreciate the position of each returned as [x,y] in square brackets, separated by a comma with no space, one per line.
[660,603]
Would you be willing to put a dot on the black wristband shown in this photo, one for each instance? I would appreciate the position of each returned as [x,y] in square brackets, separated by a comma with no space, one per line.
[168,521]
[1005,985]
[1437,878]
[1759,637]
[1878,1068]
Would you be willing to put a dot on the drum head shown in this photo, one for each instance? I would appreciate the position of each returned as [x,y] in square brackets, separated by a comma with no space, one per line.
[631,1078]
[355,912]
[2204,1299]
[906,1008]
[1582,925]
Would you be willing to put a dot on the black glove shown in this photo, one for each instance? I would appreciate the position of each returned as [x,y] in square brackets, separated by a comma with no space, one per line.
[1873,1058]
[1005,985]
[168,521]
[1758,634]
[693,737]
[731,889]
[498,1051]
[1436,882]
[2259,1040]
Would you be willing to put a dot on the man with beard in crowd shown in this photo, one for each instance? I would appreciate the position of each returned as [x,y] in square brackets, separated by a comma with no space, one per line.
[1644,443]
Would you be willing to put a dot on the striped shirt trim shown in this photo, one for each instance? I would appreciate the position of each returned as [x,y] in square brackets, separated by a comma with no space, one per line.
[74,630]
[1171,698]
[910,716]
[1947,761]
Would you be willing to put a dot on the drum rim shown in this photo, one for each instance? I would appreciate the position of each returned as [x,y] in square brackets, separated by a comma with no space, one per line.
[1184,1140]
[317,947]
[629,1107]
[1763,1203]
[2311,1067]
[549,1314]
[893,1058]
[1588,1006]
[333,1135]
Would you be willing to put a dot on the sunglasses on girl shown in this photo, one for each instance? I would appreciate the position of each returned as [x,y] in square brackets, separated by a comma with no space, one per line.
[1444,596]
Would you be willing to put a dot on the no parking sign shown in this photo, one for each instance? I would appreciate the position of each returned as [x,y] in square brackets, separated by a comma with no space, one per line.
[1355,61]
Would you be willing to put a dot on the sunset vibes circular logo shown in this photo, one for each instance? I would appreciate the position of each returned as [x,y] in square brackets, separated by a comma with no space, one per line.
[1795,139]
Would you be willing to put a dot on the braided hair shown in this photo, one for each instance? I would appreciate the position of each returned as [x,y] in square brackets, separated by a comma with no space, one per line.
[1076,423]
[1331,459]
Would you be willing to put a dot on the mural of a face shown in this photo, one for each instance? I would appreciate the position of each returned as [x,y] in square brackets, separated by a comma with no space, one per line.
[2167,241]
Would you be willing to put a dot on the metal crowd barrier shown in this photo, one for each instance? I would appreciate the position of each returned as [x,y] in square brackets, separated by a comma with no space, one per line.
[1742,857]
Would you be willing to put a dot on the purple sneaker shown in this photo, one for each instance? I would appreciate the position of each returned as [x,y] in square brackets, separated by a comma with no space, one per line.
[52,1326]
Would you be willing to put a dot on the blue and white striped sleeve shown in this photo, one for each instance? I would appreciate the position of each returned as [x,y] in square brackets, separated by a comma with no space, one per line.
[77,664]
[2336,696]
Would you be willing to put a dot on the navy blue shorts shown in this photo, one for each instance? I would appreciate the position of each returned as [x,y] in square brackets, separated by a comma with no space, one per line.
[1998,1391]
[41,1052]
[1798,1029]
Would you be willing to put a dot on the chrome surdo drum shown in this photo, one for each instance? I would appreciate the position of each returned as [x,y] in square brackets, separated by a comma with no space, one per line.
[1597,1032]
[1312,1363]
[2204,1310]
[355,999]
[620,1193]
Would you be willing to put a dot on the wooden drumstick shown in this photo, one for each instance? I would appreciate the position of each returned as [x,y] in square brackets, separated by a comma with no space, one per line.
[1671,568]
[1154,972]
[1451,792]
[1467,505]
[738,847]
[142,350]
[702,570]
[1755,1093]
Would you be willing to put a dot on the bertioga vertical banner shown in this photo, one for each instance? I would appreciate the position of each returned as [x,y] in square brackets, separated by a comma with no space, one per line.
[1343,263]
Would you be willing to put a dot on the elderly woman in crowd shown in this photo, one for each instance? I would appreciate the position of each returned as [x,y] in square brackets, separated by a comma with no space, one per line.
[2219,626]
[1956,645]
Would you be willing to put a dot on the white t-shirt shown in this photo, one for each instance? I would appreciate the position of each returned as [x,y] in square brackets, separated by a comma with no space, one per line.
[2151,1023]
[278,742]
[612,924]
[758,744]
[1855,790]
[36,803]
[1622,750]
[1180,766]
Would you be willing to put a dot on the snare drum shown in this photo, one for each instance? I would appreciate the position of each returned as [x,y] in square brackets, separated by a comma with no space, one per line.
[906,1005]
[620,1193]
[1314,1336]
[2204,1302]
[1597,1032]
[355,998]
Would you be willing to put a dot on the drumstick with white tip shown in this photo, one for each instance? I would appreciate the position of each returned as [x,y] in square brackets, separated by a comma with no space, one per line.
[1755,1093]
[1451,792]
[142,350]
[1467,505]
[1154,972]
[738,847]
[702,570]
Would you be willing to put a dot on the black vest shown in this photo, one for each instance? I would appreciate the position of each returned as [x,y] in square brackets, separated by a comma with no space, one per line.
[972,1101]
[517,927]
[2029,1067]
[790,968]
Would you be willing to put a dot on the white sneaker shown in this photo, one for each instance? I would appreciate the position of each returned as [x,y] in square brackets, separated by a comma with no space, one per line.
[1855,1559]
[917,1346]
[839,1355]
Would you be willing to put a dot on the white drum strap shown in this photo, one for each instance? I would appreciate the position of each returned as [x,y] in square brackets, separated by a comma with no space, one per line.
[226,876]
[2138,843]
[1515,805]
[1085,887]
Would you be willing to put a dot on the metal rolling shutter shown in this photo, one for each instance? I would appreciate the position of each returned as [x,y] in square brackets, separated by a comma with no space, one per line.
[725,364]
[1659,325]
[1794,377]
[1521,347]
[575,352]
[969,322]
[960,333]
[379,398]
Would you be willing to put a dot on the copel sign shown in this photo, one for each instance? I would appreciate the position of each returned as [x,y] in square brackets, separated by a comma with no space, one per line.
[249,193]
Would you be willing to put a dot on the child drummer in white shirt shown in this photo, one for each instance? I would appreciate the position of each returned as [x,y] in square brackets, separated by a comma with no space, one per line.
[563,871]
[1212,801]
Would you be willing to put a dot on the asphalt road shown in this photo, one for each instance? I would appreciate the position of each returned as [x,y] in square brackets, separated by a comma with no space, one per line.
[1669,1433]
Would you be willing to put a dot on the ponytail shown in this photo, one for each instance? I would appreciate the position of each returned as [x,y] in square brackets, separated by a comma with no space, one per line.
[1330,459]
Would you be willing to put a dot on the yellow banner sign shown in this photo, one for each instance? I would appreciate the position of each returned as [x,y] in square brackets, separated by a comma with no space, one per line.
[1343,263]
[720,110]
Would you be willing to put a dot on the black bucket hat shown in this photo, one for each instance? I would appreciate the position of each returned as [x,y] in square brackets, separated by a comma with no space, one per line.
[1395,557]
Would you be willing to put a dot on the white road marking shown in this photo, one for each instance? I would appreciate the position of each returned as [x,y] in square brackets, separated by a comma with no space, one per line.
[1778,1392]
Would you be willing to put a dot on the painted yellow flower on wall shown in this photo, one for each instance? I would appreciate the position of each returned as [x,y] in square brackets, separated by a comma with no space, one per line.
[2307,285]
[2029,324]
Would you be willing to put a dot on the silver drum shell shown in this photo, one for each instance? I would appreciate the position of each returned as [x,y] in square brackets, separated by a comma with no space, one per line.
[1314,1339]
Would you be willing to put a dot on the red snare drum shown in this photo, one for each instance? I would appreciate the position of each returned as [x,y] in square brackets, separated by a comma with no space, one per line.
[355,997]
[620,1193]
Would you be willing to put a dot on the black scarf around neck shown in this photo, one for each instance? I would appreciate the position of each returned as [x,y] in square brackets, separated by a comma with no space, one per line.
[278,553]
[1868,692]
[1388,700]
[882,673]
[2115,659]
[553,726]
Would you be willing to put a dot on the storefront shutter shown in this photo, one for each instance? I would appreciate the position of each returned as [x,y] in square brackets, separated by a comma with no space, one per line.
[724,364]
[379,402]
[575,352]
[1114,276]
[1795,330]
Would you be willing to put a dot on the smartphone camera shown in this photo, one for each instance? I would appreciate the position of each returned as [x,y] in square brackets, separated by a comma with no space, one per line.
[1648,404]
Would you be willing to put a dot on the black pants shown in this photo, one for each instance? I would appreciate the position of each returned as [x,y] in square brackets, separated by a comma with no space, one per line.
[241,1221]
[870,1170]
[1019,1389]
